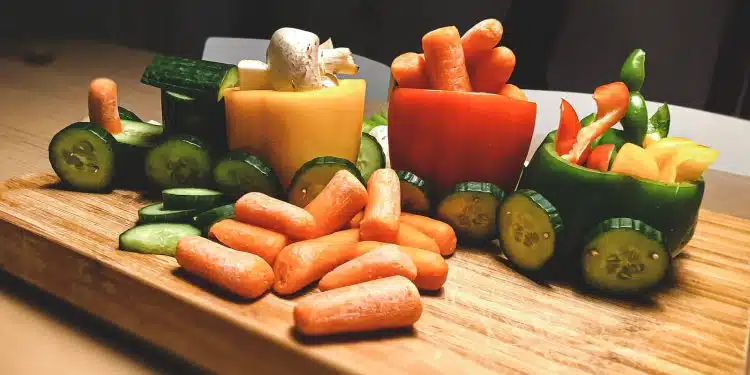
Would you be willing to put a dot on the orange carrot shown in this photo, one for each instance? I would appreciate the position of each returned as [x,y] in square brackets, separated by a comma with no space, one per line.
[385,261]
[354,222]
[408,235]
[338,202]
[441,232]
[491,70]
[301,263]
[103,105]
[244,274]
[481,38]
[446,68]
[249,238]
[432,269]
[276,215]
[512,91]
[380,222]
[409,70]
[392,302]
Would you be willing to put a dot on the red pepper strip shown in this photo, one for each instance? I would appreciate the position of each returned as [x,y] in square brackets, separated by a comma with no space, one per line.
[611,105]
[568,128]
[600,157]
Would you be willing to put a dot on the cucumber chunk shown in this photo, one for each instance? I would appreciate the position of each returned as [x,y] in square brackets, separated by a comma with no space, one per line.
[471,209]
[83,157]
[201,117]
[206,219]
[181,161]
[160,238]
[157,213]
[139,134]
[528,224]
[414,193]
[126,114]
[624,255]
[239,173]
[313,176]
[194,78]
[371,156]
[191,198]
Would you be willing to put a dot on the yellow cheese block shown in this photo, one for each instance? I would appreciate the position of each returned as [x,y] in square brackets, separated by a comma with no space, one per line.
[286,129]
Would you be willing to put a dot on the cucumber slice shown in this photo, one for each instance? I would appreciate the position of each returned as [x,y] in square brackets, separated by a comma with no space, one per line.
[126,114]
[134,142]
[371,156]
[194,78]
[414,193]
[158,238]
[83,157]
[528,224]
[157,213]
[471,209]
[206,219]
[202,117]
[239,173]
[139,134]
[191,198]
[314,175]
[181,161]
[624,255]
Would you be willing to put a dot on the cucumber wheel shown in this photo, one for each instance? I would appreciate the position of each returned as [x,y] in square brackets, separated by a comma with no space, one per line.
[314,175]
[157,213]
[181,161]
[239,173]
[371,156]
[471,209]
[414,193]
[83,156]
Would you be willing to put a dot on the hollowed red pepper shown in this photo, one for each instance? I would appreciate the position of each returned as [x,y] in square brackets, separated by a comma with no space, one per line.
[567,129]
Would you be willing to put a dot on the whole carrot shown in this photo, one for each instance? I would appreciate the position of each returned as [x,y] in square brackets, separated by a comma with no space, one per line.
[276,215]
[301,263]
[244,274]
[380,221]
[441,232]
[354,222]
[249,238]
[444,55]
[512,91]
[410,71]
[103,105]
[432,269]
[491,70]
[392,302]
[385,261]
[408,235]
[481,38]
[338,202]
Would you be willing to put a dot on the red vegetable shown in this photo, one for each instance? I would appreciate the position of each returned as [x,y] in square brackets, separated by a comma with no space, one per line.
[600,157]
[568,128]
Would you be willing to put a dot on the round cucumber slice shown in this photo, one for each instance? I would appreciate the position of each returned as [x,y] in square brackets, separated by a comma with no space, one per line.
[181,161]
[414,193]
[160,239]
[313,176]
[624,255]
[528,226]
[239,173]
[157,213]
[206,219]
[191,198]
[471,209]
[83,156]
[371,156]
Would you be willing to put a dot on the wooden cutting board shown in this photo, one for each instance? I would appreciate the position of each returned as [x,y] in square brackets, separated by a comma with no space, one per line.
[486,319]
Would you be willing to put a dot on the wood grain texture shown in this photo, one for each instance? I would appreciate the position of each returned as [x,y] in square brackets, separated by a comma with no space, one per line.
[487,318]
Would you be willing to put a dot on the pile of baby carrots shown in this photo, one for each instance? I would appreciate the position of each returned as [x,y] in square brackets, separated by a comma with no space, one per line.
[454,62]
[370,258]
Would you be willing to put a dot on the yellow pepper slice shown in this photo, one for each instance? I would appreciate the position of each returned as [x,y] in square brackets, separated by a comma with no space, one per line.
[632,160]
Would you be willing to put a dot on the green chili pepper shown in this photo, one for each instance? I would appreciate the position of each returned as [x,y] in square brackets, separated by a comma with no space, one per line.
[633,71]
[635,122]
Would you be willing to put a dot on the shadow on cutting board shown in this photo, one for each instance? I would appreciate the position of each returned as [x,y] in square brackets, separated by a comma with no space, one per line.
[345,338]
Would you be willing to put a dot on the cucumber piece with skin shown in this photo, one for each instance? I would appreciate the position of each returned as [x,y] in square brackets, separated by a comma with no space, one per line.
[157,213]
[134,142]
[194,78]
[528,225]
[83,155]
[180,161]
[191,198]
[155,238]
[314,175]
[471,209]
[139,134]
[239,173]
[624,255]
[206,219]
[371,156]
[414,193]
[204,118]
[126,114]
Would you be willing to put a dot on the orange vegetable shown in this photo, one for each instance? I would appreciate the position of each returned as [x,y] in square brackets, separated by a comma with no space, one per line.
[249,238]
[410,70]
[244,274]
[380,222]
[481,38]
[446,68]
[392,302]
[385,261]
[274,214]
[301,263]
[491,70]
[411,236]
[432,269]
[441,232]
[354,222]
[103,105]
[512,91]
[337,203]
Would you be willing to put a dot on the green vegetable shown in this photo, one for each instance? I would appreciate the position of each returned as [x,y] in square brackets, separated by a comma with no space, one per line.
[156,213]
[314,175]
[206,219]
[181,161]
[471,209]
[414,193]
[193,78]
[156,238]
[374,120]
[126,114]
[659,122]
[201,117]
[371,156]
[239,173]
[611,136]
[134,141]
[586,121]
[83,157]
[191,198]
[633,71]
[635,121]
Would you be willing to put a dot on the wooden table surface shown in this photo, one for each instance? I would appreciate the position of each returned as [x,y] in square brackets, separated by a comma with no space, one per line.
[35,102]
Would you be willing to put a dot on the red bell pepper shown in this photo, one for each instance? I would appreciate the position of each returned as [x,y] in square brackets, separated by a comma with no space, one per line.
[449,137]
[568,128]
[601,157]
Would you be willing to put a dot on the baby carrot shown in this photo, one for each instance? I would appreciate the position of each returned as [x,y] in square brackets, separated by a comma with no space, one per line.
[385,261]
[354,222]
[301,263]
[512,91]
[411,236]
[380,222]
[441,232]
[249,238]
[410,71]
[491,70]
[338,202]
[392,302]
[244,274]
[432,269]
[481,38]
[446,68]
[103,104]
[276,215]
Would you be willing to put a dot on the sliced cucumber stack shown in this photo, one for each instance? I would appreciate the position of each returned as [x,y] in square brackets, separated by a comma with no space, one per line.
[157,213]
[371,156]
[181,161]
[191,198]
[414,193]
[471,209]
[528,226]
[239,173]
[158,238]
[206,219]
[624,255]
[83,157]
[193,78]
[314,175]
